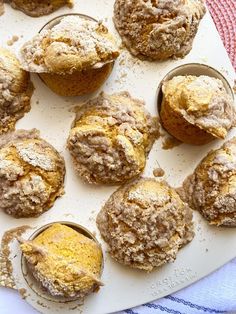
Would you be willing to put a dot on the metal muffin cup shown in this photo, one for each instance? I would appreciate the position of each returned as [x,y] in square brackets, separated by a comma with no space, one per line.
[196,69]
[27,273]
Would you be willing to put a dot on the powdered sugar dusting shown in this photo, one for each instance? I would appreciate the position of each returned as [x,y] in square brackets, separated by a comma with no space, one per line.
[73,44]
[145,223]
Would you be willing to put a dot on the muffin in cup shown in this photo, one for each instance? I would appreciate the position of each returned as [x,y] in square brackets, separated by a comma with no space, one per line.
[65,259]
[196,104]
[73,54]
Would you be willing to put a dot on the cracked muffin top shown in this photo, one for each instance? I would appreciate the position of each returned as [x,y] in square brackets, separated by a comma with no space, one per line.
[15,91]
[74,44]
[38,7]
[64,261]
[158,29]
[201,101]
[31,174]
[211,189]
[111,138]
[145,223]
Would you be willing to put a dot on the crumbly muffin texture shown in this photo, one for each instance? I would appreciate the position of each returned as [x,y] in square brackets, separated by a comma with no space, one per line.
[37,8]
[111,138]
[74,44]
[65,262]
[197,108]
[145,223]
[158,29]
[211,189]
[31,174]
[15,91]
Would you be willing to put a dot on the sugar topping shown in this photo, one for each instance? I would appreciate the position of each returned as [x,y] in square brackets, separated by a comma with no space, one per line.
[39,7]
[211,189]
[31,174]
[111,137]
[145,223]
[75,43]
[15,91]
[158,29]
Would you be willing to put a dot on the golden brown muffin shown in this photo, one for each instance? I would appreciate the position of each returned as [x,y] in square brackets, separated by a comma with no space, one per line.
[31,174]
[211,189]
[145,223]
[111,138]
[65,262]
[158,29]
[196,110]
[37,8]
[15,91]
[74,57]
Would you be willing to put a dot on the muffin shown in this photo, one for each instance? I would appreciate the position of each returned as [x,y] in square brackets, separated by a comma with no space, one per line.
[111,137]
[73,57]
[158,29]
[211,189]
[65,262]
[145,223]
[31,174]
[15,91]
[196,110]
[37,8]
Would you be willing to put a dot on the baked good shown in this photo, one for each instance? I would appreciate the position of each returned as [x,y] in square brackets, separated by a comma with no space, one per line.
[73,57]
[211,189]
[37,8]
[158,29]
[111,138]
[31,174]
[15,91]
[64,261]
[145,223]
[196,110]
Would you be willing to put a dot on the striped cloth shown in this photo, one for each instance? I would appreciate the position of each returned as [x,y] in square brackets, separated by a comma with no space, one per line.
[211,295]
[217,292]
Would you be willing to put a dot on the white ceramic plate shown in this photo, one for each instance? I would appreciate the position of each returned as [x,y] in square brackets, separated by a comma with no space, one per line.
[52,115]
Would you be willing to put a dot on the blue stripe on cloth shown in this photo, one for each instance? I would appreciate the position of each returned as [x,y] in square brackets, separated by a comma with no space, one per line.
[193,306]
[162,308]
[130,312]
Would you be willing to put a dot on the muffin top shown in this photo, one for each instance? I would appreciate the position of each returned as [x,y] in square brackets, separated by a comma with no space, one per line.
[211,189]
[202,101]
[31,174]
[145,223]
[64,261]
[111,137]
[76,43]
[158,29]
[38,7]
[15,91]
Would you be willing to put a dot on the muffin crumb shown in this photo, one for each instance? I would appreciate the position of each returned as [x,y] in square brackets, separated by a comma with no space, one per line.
[6,276]
[158,172]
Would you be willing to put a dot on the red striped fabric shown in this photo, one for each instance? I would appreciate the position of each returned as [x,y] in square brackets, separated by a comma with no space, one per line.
[223,13]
